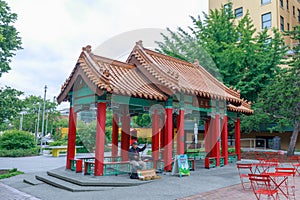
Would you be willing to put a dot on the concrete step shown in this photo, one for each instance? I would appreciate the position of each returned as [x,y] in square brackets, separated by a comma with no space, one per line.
[32,180]
[59,183]
[90,180]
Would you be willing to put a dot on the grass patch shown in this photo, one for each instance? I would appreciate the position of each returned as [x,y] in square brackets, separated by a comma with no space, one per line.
[6,173]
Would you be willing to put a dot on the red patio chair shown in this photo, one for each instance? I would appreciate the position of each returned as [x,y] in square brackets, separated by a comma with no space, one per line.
[295,162]
[261,186]
[244,170]
[290,184]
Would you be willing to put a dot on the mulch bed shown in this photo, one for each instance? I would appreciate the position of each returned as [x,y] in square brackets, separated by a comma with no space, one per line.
[4,171]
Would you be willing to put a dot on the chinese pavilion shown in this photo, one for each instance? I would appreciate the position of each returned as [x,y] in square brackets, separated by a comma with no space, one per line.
[171,90]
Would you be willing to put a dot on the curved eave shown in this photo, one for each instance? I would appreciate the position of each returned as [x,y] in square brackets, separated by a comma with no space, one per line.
[240,109]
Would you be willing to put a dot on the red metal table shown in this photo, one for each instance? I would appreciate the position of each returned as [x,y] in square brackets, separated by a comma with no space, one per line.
[280,178]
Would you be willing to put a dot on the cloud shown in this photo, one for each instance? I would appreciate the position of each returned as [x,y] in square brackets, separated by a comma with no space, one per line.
[53,32]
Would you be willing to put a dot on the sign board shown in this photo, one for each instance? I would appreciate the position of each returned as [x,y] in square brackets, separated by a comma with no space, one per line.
[181,165]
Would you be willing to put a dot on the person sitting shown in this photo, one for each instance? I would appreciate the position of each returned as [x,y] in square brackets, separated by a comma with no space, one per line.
[134,156]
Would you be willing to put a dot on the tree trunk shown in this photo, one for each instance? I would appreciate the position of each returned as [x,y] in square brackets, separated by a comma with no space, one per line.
[294,137]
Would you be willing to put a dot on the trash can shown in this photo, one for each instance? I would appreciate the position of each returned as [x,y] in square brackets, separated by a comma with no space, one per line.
[276,143]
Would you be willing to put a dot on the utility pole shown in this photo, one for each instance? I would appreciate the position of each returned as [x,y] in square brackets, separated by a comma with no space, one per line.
[21,121]
[46,130]
[43,119]
[37,124]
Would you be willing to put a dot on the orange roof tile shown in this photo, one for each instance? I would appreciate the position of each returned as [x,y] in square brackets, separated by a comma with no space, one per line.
[182,76]
[245,108]
[150,75]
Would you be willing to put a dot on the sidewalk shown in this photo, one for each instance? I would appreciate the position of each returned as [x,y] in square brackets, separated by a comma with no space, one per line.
[236,192]
[216,183]
[9,193]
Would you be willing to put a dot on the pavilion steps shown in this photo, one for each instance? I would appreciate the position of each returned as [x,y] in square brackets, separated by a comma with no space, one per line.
[59,183]
[77,182]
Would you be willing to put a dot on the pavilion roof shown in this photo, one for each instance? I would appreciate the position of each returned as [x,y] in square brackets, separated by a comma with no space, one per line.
[149,75]
[181,76]
[245,108]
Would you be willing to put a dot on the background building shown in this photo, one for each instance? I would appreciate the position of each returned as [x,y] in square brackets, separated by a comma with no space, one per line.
[280,14]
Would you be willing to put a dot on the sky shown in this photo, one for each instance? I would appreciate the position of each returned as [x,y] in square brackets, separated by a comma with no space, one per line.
[54,31]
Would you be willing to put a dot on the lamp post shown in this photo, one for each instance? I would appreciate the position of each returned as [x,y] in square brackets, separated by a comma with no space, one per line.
[37,124]
[43,120]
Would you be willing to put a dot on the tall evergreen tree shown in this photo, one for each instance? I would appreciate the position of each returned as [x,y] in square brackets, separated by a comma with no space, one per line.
[232,51]
[279,101]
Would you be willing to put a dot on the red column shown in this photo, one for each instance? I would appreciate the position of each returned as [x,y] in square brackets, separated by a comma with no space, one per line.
[155,137]
[100,138]
[168,140]
[125,135]
[215,152]
[225,140]
[71,137]
[180,132]
[238,138]
[115,135]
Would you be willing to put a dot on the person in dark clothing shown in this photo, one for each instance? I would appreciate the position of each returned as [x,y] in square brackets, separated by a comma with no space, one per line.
[134,156]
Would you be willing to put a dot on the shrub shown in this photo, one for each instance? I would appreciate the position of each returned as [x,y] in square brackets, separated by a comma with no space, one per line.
[19,152]
[16,139]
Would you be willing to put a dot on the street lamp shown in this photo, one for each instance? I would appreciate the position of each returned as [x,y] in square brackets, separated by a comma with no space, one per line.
[43,120]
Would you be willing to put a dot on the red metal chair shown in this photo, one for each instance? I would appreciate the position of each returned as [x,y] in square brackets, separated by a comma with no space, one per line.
[295,162]
[290,184]
[244,170]
[261,186]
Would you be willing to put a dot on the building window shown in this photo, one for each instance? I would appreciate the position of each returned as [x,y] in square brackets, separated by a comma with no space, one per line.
[265,2]
[293,10]
[281,3]
[287,4]
[266,20]
[288,26]
[228,8]
[298,15]
[281,23]
[238,12]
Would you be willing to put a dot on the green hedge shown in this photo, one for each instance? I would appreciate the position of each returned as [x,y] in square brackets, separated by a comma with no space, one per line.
[19,152]
[15,139]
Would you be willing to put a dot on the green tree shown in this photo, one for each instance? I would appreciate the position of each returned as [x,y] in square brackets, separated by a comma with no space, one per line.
[143,120]
[10,105]
[32,105]
[10,41]
[231,51]
[279,102]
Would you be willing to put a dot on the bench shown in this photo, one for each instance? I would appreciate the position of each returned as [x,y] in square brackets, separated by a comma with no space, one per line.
[76,165]
[191,162]
[222,161]
[196,155]
[57,149]
[210,162]
[232,157]
[110,168]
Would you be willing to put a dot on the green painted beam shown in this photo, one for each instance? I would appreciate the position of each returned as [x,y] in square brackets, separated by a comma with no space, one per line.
[132,101]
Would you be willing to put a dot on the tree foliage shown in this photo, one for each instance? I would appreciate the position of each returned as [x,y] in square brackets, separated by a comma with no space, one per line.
[231,51]
[143,120]
[10,41]
[279,102]
[10,105]
[32,107]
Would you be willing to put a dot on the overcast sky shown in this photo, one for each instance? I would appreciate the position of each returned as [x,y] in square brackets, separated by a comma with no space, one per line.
[54,31]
